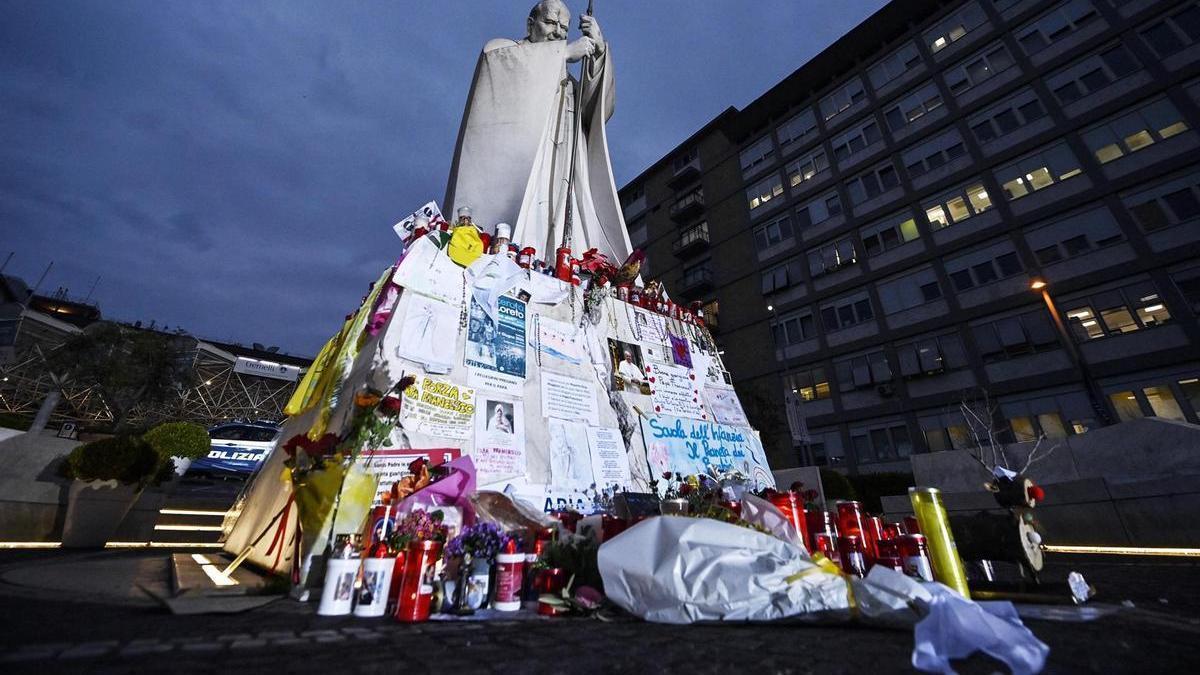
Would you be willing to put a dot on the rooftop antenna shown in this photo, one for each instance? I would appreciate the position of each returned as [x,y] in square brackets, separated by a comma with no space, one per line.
[39,283]
[6,260]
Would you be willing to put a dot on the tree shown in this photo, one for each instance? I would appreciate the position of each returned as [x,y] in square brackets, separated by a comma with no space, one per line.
[127,366]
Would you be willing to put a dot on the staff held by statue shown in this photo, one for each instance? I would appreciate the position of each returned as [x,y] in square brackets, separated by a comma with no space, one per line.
[562,263]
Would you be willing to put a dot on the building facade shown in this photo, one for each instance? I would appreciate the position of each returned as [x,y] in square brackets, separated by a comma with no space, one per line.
[991,196]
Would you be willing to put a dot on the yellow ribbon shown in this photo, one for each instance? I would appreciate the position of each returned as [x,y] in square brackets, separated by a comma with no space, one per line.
[827,566]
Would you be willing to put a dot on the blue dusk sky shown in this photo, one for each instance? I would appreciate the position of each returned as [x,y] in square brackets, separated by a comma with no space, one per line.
[234,168]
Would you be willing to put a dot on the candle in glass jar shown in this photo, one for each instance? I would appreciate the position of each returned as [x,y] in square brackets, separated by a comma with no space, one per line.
[820,521]
[792,508]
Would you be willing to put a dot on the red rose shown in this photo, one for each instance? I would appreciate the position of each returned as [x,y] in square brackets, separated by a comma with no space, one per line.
[390,405]
[417,464]
[667,475]
[1036,493]
[685,490]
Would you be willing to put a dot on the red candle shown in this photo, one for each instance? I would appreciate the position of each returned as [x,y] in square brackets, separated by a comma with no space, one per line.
[873,535]
[611,526]
[416,588]
[892,531]
[850,519]
[394,588]
[911,526]
[552,581]
[792,508]
[820,521]
[827,546]
[888,555]
[853,555]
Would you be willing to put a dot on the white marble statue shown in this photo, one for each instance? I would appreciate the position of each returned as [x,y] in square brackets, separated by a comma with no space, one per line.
[514,148]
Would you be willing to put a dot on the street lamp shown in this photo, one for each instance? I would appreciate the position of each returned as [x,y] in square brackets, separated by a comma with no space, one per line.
[1093,390]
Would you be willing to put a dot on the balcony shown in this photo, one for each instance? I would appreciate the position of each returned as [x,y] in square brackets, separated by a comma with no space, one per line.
[635,208]
[688,206]
[696,280]
[685,169]
[693,240]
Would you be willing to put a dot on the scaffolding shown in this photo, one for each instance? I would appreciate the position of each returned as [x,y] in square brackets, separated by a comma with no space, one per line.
[219,393]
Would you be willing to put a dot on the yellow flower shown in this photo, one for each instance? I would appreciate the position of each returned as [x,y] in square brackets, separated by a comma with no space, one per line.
[366,399]
[693,481]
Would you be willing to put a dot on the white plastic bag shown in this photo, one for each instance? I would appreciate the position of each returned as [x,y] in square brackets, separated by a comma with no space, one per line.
[674,569]
[955,627]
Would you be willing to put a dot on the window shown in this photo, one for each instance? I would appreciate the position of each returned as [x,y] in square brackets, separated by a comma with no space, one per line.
[764,191]
[773,233]
[855,140]
[685,158]
[799,128]
[819,210]
[781,276]
[1015,336]
[984,266]
[933,153]
[807,167]
[846,311]
[931,356]
[882,444]
[888,233]
[810,384]
[695,233]
[793,329]
[1092,74]
[908,291]
[831,257]
[863,372]
[1126,405]
[1144,126]
[1188,282]
[954,27]
[894,65]
[697,274]
[1163,403]
[1009,115]
[976,70]
[1038,170]
[1171,34]
[841,99]
[1165,205]
[957,205]
[1060,22]
[1075,235]
[872,183]
[1123,310]
[913,107]
[756,157]
[1191,391]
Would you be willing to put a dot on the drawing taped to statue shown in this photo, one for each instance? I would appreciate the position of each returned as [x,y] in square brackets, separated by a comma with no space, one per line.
[628,369]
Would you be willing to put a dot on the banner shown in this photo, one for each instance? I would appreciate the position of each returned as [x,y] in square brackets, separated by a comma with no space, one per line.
[692,447]
[438,408]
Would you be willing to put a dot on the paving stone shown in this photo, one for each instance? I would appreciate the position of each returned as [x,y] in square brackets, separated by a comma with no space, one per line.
[248,644]
[203,647]
[28,655]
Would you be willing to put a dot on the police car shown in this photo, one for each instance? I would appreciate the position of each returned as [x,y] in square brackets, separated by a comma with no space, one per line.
[237,449]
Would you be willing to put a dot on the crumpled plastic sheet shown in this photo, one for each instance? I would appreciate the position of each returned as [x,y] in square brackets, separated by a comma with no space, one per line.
[680,570]
[955,628]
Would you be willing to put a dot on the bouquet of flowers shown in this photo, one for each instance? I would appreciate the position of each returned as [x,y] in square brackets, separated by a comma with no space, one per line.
[418,525]
[481,541]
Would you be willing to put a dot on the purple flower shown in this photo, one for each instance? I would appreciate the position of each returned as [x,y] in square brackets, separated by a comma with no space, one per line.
[588,597]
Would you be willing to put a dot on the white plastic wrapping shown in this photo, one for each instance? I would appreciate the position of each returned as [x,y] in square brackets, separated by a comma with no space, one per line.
[955,627]
[674,569]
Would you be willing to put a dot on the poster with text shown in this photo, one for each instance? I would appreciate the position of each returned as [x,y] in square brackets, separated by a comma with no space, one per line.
[725,406]
[438,408]
[391,464]
[499,439]
[693,446]
[569,398]
[610,462]
[570,458]
[497,347]
[675,391]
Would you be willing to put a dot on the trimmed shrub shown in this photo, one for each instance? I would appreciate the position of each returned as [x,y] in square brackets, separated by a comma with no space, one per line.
[179,439]
[126,459]
[836,487]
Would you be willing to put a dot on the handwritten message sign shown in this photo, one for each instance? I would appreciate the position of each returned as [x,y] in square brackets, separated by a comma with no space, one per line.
[391,464]
[725,406]
[692,447]
[675,391]
[438,408]
[499,439]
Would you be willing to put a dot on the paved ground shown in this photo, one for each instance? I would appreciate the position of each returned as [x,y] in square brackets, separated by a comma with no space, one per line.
[103,628]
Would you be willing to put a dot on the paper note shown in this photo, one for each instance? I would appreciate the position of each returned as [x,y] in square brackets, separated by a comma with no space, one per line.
[428,333]
[570,458]
[499,439]
[569,398]
[675,391]
[610,463]
[725,406]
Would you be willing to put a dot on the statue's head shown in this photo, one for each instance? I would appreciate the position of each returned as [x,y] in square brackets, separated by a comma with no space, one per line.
[548,20]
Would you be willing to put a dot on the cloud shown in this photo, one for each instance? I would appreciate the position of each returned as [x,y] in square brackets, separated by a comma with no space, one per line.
[235,168]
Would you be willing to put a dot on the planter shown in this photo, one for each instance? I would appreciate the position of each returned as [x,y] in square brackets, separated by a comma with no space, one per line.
[94,510]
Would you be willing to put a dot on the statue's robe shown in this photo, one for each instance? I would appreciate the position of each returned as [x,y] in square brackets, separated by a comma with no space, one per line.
[514,147]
